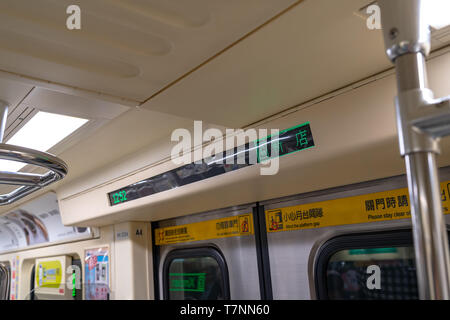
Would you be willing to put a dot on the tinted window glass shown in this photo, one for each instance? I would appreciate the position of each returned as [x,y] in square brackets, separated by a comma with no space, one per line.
[195,278]
[385,273]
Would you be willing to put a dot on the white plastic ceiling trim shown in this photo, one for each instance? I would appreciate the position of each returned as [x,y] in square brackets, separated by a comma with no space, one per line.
[66,89]
[71,105]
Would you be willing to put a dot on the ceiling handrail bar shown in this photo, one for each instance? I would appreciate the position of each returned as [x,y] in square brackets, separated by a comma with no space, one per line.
[28,182]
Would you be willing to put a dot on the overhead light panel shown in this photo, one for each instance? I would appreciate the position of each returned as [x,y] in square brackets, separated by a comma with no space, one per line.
[438,13]
[41,132]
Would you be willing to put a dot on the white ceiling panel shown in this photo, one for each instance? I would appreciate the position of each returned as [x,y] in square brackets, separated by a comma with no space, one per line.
[313,49]
[316,47]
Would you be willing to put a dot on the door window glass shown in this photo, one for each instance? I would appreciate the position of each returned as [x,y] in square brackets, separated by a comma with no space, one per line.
[367,266]
[195,275]
[385,273]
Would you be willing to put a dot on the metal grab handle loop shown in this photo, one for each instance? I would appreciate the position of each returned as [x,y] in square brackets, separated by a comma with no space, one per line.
[29,182]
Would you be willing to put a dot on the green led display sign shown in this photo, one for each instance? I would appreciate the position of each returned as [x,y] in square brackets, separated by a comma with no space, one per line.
[119,197]
[193,282]
[287,141]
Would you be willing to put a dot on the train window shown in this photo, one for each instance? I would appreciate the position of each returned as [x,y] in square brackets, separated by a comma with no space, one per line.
[367,267]
[195,274]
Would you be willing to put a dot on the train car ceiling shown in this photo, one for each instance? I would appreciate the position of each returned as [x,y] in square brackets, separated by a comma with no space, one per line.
[311,50]
[127,50]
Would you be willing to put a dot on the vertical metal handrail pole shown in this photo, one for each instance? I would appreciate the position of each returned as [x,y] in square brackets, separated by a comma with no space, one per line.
[430,235]
[407,39]
[3,118]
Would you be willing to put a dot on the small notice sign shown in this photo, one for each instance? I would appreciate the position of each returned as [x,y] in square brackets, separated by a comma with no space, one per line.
[240,225]
[97,273]
[380,206]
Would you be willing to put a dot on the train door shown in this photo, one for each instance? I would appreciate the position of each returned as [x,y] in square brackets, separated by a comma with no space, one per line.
[351,242]
[207,256]
[5,280]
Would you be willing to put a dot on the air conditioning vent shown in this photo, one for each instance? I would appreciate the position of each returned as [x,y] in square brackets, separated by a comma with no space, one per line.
[17,117]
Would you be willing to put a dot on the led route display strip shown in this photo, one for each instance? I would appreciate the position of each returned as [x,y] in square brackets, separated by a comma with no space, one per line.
[287,141]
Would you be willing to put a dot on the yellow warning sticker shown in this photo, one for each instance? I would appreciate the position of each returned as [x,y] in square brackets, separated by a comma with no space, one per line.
[380,206]
[240,225]
[49,274]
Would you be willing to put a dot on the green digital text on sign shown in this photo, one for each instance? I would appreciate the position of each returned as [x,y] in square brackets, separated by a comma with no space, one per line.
[194,282]
[119,197]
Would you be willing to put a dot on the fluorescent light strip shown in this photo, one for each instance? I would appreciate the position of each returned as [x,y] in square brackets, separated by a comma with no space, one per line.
[42,132]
